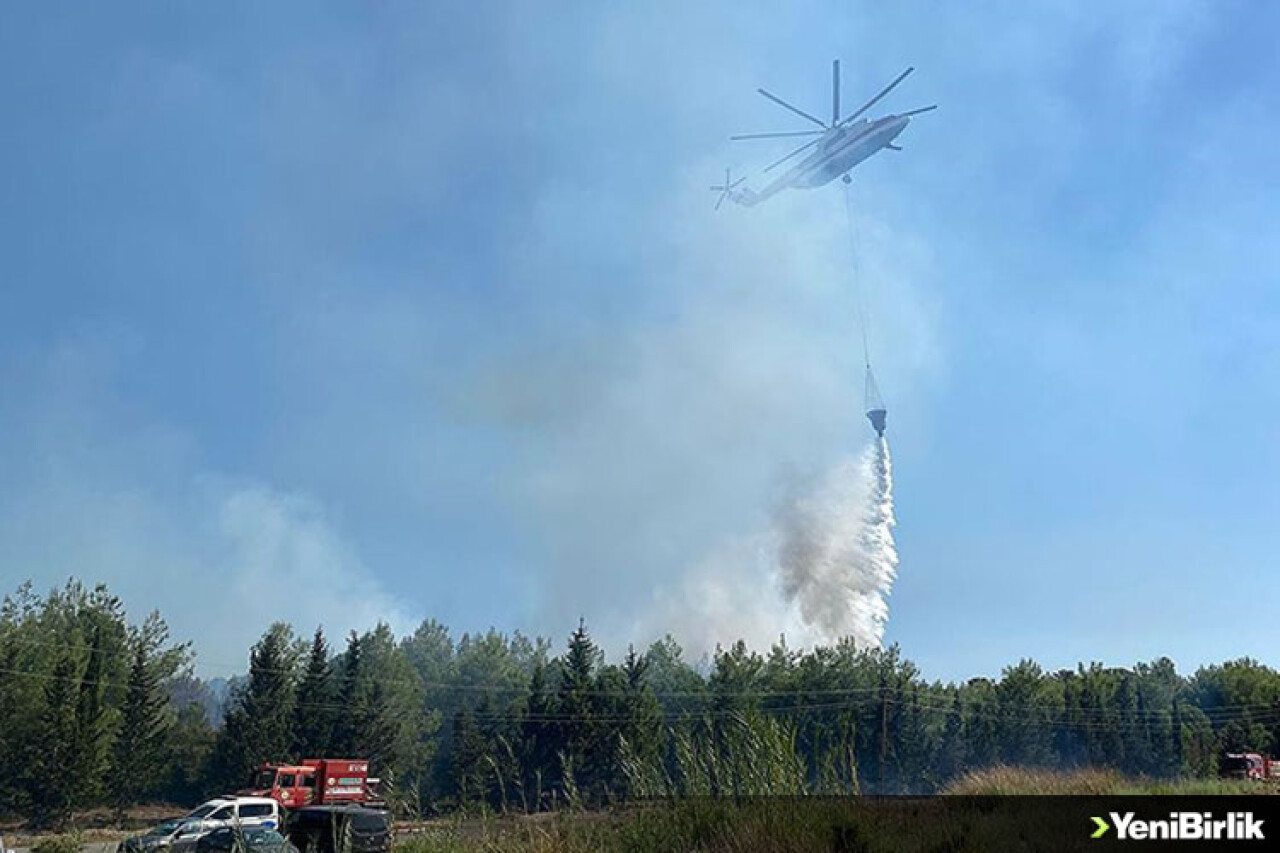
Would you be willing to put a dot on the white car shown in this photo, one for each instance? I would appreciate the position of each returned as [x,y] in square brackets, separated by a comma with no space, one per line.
[244,812]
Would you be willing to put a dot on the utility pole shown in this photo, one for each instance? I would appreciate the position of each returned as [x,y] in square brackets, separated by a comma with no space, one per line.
[884,732]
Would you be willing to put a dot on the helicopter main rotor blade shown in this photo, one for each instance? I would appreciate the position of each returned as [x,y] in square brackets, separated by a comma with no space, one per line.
[804,147]
[917,112]
[776,135]
[886,90]
[835,92]
[795,110]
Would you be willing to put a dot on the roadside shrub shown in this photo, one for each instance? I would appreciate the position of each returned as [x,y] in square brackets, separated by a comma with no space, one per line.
[67,842]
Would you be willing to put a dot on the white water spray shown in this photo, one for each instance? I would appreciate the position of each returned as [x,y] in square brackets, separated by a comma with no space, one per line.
[837,559]
[821,572]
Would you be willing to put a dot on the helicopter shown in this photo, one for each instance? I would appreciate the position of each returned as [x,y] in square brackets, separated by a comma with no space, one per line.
[840,145]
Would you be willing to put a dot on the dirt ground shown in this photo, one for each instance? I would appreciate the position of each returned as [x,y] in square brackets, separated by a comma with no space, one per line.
[99,827]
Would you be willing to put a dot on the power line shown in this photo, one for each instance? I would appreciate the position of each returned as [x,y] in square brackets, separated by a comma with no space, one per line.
[704,694]
[893,695]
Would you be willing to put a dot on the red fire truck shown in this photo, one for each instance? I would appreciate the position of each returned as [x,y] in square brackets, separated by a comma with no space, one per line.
[318,782]
[1250,765]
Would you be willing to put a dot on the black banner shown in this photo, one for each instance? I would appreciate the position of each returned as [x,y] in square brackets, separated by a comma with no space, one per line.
[1087,823]
[954,824]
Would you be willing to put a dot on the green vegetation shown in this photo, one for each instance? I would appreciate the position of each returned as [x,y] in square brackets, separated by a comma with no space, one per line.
[103,713]
[1087,782]
[69,842]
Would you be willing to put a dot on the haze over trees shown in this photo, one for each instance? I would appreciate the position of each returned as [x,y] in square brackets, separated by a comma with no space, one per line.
[99,711]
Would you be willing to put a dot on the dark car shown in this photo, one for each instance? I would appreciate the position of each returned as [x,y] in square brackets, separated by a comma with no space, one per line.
[252,839]
[158,836]
[340,829]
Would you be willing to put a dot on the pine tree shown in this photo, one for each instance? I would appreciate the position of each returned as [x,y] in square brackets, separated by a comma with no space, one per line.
[1141,754]
[578,728]
[1068,742]
[640,722]
[257,725]
[982,743]
[136,768]
[313,720]
[346,729]
[52,751]
[678,686]
[951,749]
[915,743]
[735,679]
[12,735]
[467,766]
[1024,716]
[187,749]
[644,713]
[1091,701]
[538,737]
[377,728]
[1176,762]
[501,729]
[1124,752]
[89,754]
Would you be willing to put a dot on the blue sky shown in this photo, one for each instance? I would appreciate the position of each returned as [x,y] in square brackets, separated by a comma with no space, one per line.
[402,310]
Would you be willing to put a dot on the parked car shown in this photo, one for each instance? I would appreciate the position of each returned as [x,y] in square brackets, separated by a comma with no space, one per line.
[160,835]
[224,812]
[321,829]
[232,839]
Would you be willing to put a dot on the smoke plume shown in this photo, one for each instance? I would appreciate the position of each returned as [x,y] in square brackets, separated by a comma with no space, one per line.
[820,572]
[836,556]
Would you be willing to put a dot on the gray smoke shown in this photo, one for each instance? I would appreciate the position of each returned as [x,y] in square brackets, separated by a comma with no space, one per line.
[820,572]
[836,556]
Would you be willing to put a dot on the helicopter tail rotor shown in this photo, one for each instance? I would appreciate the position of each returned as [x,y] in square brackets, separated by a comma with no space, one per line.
[726,189]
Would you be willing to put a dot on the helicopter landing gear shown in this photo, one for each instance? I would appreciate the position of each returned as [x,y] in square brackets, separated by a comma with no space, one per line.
[846,179]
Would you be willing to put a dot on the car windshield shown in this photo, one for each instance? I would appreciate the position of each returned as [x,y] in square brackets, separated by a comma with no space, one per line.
[263,836]
[166,828]
[204,811]
[363,822]
[369,822]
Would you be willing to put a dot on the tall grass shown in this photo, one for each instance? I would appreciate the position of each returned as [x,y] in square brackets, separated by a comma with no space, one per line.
[738,755]
[1002,780]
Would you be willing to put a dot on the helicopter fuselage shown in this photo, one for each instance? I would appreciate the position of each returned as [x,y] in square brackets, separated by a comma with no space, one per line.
[845,148]
[839,151]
